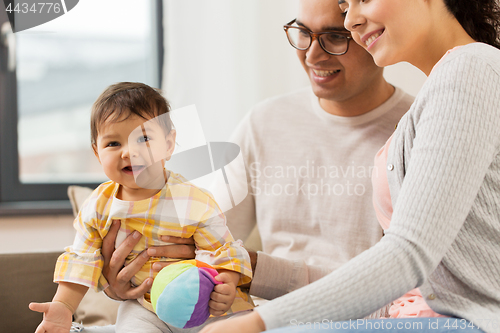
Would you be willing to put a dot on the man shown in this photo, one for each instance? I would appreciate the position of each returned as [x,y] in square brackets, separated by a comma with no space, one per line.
[309,157]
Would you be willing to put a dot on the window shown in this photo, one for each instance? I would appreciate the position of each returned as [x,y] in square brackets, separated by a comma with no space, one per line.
[61,68]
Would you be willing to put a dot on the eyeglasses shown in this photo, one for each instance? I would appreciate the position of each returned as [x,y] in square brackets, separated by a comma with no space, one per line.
[334,43]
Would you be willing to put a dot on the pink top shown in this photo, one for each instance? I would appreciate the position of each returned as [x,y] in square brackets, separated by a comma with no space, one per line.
[412,304]
[381,195]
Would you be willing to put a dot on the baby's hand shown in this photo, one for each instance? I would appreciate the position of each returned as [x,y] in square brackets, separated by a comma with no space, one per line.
[56,317]
[223,295]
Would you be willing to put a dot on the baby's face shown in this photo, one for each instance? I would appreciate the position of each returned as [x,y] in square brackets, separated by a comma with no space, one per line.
[133,153]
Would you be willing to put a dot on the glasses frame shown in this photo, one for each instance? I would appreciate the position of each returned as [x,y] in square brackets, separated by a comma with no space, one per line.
[316,35]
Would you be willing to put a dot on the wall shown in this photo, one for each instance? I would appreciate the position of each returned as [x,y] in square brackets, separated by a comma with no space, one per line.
[256,67]
[36,234]
[406,77]
[231,55]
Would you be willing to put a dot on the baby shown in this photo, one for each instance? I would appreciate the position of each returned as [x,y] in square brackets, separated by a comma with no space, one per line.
[132,137]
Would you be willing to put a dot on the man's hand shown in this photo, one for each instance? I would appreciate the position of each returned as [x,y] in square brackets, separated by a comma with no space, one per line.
[183,248]
[223,295]
[114,271]
[119,276]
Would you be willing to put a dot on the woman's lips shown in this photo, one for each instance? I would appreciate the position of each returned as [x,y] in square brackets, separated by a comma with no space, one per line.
[370,39]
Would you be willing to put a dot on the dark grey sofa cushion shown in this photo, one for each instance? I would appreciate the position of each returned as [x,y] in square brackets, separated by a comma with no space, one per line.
[24,278]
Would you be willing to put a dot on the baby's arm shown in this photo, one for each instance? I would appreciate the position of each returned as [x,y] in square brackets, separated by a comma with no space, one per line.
[58,314]
[223,295]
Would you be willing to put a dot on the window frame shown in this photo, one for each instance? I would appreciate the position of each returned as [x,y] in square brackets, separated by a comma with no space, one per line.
[17,198]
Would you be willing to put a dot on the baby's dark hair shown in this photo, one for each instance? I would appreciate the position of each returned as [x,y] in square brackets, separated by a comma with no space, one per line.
[479,18]
[121,100]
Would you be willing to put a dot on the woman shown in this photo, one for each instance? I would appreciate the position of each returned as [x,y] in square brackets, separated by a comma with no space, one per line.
[443,172]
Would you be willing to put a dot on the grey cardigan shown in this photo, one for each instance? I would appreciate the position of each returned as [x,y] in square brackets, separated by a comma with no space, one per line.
[443,170]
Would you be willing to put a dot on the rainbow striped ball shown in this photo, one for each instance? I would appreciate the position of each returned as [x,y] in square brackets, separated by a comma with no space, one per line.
[181,291]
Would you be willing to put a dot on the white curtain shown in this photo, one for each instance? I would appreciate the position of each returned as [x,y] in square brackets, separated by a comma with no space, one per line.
[225,56]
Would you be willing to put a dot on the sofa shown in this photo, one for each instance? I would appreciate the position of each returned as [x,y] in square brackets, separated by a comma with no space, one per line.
[27,277]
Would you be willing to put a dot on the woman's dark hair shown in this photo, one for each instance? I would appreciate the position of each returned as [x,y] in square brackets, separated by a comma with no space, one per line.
[479,18]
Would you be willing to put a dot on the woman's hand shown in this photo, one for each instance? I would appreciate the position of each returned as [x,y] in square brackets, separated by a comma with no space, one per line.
[119,276]
[250,323]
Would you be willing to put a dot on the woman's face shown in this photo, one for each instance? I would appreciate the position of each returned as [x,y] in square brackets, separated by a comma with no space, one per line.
[391,30]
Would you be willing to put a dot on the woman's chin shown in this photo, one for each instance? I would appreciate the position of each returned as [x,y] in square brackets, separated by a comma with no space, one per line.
[384,61]
[384,57]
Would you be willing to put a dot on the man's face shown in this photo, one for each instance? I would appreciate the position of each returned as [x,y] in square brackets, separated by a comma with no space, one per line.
[334,78]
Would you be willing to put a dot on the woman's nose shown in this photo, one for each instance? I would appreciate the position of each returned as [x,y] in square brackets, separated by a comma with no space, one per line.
[353,19]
